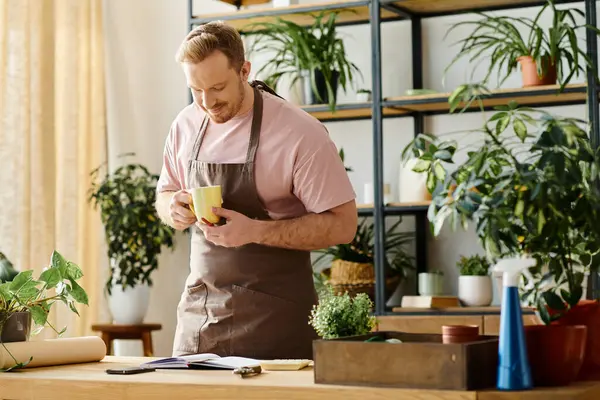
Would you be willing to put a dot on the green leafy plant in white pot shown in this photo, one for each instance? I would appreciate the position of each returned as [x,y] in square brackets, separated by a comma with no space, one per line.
[474,282]
[134,234]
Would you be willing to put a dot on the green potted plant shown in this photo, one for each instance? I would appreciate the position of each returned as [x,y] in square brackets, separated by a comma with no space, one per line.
[545,55]
[531,187]
[474,282]
[25,299]
[350,267]
[314,55]
[134,234]
[342,315]
[363,95]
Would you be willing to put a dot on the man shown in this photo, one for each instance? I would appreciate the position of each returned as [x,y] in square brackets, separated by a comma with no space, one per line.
[285,192]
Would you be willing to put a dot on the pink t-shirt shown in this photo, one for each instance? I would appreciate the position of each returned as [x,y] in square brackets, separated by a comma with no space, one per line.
[297,170]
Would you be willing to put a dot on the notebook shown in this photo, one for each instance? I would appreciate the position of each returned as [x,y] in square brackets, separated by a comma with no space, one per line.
[205,360]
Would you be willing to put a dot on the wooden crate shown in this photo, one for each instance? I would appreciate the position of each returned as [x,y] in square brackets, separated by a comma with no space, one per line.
[421,361]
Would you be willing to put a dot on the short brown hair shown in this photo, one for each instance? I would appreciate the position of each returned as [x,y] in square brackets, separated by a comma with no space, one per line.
[210,37]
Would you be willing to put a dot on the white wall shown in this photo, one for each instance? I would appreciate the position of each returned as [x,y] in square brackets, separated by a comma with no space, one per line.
[146,89]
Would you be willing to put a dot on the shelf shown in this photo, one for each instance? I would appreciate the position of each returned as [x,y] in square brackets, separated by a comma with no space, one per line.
[350,13]
[428,8]
[395,208]
[349,111]
[357,12]
[438,103]
[535,96]
[491,310]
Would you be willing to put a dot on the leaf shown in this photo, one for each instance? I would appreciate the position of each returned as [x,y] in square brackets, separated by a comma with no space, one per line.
[439,171]
[421,166]
[79,295]
[57,260]
[502,124]
[20,280]
[575,296]
[39,315]
[520,129]
[554,301]
[51,277]
[73,271]
[444,155]
[543,311]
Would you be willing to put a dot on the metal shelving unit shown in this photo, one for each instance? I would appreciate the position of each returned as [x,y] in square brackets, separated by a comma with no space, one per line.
[376,12]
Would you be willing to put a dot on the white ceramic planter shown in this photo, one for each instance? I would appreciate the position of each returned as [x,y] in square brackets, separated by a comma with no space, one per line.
[363,97]
[430,284]
[475,291]
[129,306]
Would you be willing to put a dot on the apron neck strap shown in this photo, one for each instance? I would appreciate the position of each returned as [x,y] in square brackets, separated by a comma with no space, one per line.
[257,111]
[256,125]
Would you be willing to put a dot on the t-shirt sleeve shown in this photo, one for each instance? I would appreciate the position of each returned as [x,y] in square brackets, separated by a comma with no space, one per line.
[320,180]
[169,179]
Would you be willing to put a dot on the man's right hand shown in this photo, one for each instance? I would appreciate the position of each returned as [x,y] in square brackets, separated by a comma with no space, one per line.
[179,210]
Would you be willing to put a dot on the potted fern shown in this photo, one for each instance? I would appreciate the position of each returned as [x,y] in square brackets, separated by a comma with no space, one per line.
[350,267]
[314,55]
[545,55]
[134,234]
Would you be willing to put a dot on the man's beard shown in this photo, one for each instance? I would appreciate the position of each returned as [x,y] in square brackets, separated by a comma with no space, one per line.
[232,110]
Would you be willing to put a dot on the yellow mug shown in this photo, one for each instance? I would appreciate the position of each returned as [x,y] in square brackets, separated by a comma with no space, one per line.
[203,200]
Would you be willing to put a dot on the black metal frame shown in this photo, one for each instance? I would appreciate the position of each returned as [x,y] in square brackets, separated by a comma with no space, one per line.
[379,210]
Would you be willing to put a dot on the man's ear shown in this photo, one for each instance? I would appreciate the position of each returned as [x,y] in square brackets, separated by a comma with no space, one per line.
[245,71]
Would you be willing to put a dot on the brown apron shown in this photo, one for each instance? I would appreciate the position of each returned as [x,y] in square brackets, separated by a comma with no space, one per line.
[250,301]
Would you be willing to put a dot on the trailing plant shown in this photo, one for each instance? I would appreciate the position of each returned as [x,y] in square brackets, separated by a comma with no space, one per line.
[342,315]
[297,48]
[134,233]
[498,40]
[362,249]
[531,186]
[57,283]
[475,265]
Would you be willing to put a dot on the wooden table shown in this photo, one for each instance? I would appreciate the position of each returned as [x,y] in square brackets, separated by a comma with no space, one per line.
[90,382]
[142,332]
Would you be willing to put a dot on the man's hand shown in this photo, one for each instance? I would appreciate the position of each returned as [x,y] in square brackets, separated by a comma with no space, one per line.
[179,210]
[237,232]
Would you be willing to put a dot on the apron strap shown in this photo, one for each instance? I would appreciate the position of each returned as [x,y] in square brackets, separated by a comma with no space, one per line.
[254,130]
[256,124]
[200,138]
[263,86]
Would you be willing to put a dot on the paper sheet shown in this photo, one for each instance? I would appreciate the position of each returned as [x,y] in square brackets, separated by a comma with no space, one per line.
[54,351]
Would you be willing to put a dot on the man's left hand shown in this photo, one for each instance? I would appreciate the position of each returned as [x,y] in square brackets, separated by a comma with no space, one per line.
[235,233]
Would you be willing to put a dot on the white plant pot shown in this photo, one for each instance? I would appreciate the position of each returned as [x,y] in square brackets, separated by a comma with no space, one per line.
[363,97]
[475,291]
[129,306]
[430,284]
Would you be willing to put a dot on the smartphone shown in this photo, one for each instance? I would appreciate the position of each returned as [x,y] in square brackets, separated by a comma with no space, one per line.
[128,370]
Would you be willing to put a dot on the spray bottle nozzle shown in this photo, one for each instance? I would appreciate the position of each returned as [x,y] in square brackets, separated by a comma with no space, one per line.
[512,268]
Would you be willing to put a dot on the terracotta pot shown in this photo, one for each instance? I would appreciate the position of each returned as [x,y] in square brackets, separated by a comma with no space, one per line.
[555,353]
[586,312]
[530,75]
[460,333]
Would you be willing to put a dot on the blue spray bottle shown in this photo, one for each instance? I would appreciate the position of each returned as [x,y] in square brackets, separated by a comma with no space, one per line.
[513,364]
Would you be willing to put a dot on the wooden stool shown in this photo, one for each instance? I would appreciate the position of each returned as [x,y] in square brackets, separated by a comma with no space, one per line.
[143,332]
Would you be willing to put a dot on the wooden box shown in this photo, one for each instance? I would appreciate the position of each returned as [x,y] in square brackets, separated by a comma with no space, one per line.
[421,361]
